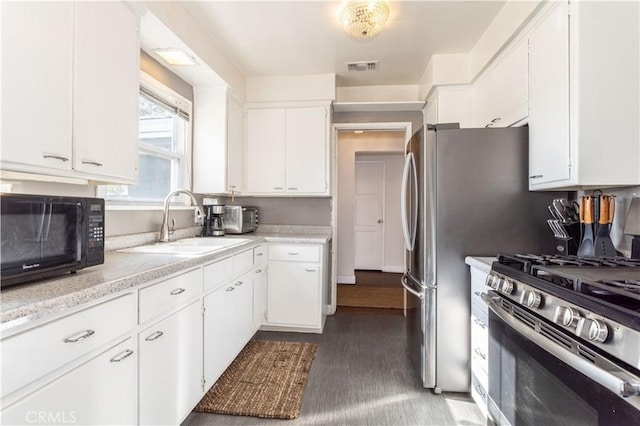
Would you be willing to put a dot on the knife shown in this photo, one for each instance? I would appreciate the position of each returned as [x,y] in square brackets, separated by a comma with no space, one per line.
[557,206]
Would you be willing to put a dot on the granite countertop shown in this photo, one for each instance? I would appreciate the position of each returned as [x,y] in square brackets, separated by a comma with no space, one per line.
[481,263]
[25,303]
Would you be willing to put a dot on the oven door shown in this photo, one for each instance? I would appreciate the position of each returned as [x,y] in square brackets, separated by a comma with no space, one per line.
[39,234]
[536,376]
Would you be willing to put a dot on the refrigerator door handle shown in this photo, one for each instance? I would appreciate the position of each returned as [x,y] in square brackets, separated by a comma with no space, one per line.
[409,235]
[404,283]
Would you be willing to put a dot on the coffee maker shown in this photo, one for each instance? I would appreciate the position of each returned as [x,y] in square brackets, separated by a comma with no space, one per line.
[213,222]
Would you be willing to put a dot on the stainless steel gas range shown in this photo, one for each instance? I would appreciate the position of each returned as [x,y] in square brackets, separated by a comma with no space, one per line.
[564,343]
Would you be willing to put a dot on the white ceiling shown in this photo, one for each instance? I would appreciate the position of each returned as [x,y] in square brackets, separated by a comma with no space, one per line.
[265,38]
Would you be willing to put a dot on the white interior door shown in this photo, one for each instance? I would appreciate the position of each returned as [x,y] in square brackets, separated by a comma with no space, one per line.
[368,215]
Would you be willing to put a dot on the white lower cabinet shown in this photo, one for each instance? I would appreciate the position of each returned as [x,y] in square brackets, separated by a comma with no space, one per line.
[259,296]
[170,367]
[293,296]
[99,391]
[228,325]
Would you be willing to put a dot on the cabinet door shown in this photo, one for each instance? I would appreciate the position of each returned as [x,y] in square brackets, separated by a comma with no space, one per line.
[100,391]
[306,150]
[170,367]
[549,155]
[228,325]
[106,78]
[293,294]
[259,296]
[235,145]
[266,150]
[512,86]
[37,50]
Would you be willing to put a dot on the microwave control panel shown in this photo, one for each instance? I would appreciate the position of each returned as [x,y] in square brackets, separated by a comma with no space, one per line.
[95,233]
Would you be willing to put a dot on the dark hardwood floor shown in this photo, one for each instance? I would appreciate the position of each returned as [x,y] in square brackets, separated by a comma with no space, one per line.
[362,376]
[373,289]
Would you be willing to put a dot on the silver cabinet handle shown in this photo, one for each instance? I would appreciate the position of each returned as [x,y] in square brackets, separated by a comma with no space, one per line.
[80,336]
[55,157]
[230,288]
[536,176]
[239,283]
[177,291]
[154,336]
[293,254]
[122,355]
[278,188]
[293,188]
[259,254]
[258,271]
[480,323]
[91,162]
[480,354]
[310,269]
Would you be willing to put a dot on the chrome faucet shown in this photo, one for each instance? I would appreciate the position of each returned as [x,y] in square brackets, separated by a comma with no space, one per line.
[164,228]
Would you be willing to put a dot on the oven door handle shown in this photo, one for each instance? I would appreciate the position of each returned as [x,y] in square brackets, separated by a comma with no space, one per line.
[607,374]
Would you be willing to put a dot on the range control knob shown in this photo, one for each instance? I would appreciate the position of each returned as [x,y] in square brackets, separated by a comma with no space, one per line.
[592,329]
[493,281]
[566,316]
[507,287]
[531,298]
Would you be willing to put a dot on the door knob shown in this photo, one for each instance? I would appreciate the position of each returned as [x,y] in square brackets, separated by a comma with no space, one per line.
[379,220]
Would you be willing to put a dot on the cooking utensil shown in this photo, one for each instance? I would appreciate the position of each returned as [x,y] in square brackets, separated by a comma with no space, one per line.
[586,248]
[553,228]
[572,211]
[553,212]
[596,210]
[612,210]
[603,244]
[562,229]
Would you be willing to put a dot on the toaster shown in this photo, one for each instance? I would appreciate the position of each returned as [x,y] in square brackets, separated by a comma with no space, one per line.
[240,219]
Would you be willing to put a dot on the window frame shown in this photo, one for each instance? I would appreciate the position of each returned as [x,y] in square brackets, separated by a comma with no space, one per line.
[170,97]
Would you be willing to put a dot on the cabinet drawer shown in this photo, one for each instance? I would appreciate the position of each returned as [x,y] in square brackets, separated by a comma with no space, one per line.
[168,294]
[242,261]
[260,255]
[52,345]
[297,252]
[216,274]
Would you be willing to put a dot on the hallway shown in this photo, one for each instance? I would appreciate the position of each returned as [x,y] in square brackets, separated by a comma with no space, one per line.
[373,289]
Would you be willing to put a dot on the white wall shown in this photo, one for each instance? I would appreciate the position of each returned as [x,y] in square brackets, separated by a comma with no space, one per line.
[349,143]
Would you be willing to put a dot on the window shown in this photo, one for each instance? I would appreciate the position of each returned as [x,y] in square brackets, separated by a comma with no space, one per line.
[163,147]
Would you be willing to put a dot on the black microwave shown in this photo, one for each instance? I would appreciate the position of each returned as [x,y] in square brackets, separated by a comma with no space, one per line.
[44,236]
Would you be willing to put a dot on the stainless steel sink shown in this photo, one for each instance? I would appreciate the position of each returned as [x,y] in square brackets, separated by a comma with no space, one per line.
[187,247]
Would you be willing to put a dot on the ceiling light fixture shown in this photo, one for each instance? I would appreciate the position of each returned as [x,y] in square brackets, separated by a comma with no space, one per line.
[364,18]
[174,56]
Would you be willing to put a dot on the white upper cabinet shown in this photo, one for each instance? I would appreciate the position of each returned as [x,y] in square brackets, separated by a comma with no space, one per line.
[287,150]
[549,157]
[36,104]
[105,101]
[449,104]
[218,141]
[80,117]
[500,95]
[584,128]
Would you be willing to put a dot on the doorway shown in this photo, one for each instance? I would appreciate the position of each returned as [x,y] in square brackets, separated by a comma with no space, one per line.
[368,215]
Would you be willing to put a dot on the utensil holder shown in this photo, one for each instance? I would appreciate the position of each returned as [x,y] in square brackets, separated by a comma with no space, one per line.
[569,246]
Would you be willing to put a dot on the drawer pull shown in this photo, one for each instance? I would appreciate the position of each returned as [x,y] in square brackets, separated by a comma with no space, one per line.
[55,157]
[177,291]
[535,176]
[154,336]
[293,188]
[230,288]
[122,355]
[278,188]
[480,354]
[480,323]
[258,271]
[310,269]
[259,254]
[293,253]
[80,336]
[479,390]
[92,163]
[239,283]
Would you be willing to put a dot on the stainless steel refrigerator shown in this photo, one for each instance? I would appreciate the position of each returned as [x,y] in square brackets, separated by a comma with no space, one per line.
[465,193]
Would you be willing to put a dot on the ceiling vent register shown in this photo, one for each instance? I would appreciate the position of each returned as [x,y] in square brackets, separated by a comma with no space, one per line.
[362,66]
